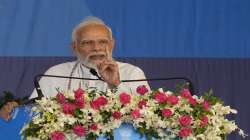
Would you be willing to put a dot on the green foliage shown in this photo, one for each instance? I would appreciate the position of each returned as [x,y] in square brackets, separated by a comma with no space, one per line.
[223,137]
[50,118]
[199,111]
[109,135]
[106,116]
[32,130]
[181,86]
[211,98]
[149,133]
[91,136]
[200,130]
[142,129]
[67,126]
[77,113]
[92,93]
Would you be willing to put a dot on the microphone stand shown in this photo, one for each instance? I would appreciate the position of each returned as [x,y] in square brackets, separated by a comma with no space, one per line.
[93,71]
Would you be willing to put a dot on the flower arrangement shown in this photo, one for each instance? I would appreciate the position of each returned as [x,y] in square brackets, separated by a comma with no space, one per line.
[160,114]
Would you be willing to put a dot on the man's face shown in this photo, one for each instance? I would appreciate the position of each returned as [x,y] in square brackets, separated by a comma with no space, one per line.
[94,44]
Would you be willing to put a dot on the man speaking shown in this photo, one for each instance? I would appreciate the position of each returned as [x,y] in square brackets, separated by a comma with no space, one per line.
[92,43]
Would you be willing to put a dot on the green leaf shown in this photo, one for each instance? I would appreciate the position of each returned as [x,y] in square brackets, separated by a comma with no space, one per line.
[91,136]
[105,115]
[77,112]
[109,135]
[211,98]
[32,130]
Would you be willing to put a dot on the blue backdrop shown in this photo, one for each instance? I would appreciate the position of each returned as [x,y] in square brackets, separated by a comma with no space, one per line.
[207,41]
[142,28]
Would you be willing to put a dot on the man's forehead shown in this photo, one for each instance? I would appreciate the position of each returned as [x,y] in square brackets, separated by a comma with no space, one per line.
[94,38]
[94,29]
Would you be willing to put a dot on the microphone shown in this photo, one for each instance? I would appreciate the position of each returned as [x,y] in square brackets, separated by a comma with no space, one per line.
[94,72]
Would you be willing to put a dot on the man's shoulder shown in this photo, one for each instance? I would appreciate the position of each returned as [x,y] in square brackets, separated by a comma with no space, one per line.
[61,68]
[127,66]
[130,72]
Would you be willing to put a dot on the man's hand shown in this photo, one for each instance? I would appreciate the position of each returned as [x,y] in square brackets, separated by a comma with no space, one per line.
[6,110]
[109,72]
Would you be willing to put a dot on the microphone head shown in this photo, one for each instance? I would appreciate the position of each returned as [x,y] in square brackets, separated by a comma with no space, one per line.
[93,71]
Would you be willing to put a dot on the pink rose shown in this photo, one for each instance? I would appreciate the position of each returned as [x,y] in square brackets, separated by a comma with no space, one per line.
[68,108]
[60,98]
[185,93]
[93,127]
[166,113]
[79,130]
[142,89]
[124,98]
[185,120]
[116,115]
[57,135]
[79,93]
[135,114]
[204,121]
[95,105]
[206,105]
[142,103]
[98,103]
[173,100]
[192,101]
[184,132]
[79,102]
[160,97]
[102,100]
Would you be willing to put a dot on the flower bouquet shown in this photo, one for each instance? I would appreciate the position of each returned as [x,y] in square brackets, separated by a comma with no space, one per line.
[159,114]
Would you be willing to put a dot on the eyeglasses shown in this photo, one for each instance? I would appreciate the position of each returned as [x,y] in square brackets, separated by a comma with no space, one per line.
[91,43]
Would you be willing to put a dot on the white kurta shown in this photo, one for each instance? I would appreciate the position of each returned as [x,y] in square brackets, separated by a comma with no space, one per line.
[50,84]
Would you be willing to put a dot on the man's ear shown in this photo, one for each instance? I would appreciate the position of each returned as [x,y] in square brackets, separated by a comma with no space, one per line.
[112,45]
[74,46]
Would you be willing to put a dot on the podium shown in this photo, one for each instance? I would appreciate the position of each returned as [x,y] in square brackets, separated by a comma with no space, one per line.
[21,115]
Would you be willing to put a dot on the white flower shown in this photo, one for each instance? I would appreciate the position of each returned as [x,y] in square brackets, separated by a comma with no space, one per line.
[186,108]
[195,97]
[234,111]
[241,133]
[161,90]
[169,92]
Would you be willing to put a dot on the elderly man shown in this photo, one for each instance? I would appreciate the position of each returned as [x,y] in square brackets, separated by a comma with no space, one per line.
[92,43]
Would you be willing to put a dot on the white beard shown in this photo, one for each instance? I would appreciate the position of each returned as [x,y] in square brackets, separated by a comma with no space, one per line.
[85,61]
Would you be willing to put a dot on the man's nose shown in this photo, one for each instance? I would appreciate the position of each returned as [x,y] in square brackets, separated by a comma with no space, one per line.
[96,46]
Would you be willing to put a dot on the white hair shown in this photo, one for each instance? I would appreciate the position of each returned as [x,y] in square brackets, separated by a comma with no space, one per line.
[89,21]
